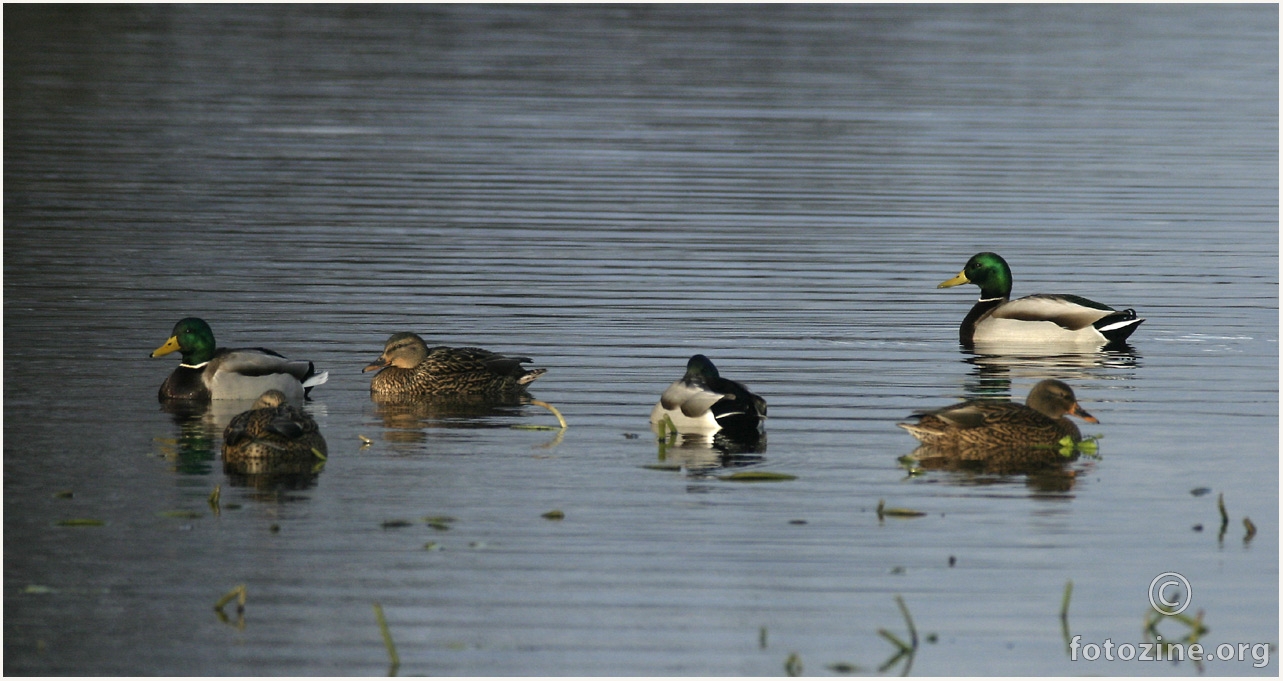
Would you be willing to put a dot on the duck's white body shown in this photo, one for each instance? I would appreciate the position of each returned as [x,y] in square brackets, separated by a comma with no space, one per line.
[704,403]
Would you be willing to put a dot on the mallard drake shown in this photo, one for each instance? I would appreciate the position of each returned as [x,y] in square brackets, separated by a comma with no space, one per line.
[272,430]
[208,372]
[702,402]
[409,368]
[1039,318]
[979,424]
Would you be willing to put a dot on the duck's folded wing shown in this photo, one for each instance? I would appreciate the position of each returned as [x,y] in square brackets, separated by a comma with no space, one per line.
[262,362]
[963,415]
[693,401]
[1068,311]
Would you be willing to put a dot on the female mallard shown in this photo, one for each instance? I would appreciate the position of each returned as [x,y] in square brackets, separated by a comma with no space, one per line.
[702,402]
[1040,318]
[409,368]
[272,430]
[208,372]
[978,424]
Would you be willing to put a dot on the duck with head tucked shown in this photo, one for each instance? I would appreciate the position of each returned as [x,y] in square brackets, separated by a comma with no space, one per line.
[208,372]
[702,402]
[272,432]
[408,368]
[995,424]
[1039,318]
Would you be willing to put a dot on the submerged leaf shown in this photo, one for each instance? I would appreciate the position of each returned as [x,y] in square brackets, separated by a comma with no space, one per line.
[181,513]
[554,515]
[757,476]
[884,510]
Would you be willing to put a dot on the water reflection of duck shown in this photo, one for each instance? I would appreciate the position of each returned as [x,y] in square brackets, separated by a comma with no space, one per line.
[1039,318]
[409,368]
[1046,468]
[702,453]
[413,413]
[274,437]
[209,373]
[702,401]
[983,425]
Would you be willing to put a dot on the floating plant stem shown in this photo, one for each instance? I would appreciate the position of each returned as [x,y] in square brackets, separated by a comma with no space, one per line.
[387,638]
[1225,517]
[215,497]
[1251,529]
[549,407]
[239,594]
[1064,600]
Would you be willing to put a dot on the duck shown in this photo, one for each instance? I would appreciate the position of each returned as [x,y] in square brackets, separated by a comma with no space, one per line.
[978,424]
[408,368]
[1039,318]
[702,402]
[208,372]
[272,430]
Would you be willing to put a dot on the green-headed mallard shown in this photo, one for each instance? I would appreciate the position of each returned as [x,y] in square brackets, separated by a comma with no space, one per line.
[977,424]
[209,372]
[272,431]
[409,368]
[1040,318]
[702,402]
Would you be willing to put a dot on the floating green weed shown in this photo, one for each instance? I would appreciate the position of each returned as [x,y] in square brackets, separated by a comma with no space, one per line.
[183,514]
[757,476]
[554,515]
[81,522]
[894,512]
[793,665]
[395,523]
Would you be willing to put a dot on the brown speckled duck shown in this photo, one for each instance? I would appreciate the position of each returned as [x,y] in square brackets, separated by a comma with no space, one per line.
[978,424]
[272,430]
[409,368]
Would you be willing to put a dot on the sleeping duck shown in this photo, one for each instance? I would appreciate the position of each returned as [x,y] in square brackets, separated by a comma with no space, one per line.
[410,369]
[978,424]
[208,372]
[1040,318]
[702,402]
[272,431]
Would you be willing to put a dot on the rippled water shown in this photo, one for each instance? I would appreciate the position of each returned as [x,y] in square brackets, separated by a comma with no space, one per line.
[610,190]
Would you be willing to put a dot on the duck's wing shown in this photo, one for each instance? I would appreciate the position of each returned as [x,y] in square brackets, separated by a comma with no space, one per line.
[264,362]
[971,414]
[692,400]
[1067,311]
[447,360]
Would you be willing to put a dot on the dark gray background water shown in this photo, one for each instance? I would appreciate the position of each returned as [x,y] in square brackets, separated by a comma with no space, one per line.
[611,190]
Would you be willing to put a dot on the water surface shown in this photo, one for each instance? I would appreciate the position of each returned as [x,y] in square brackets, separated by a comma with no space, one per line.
[610,190]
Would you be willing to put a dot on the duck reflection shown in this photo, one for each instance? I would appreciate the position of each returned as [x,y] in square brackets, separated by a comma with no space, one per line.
[406,419]
[273,446]
[993,372]
[1045,469]
[193,451]
[701,454]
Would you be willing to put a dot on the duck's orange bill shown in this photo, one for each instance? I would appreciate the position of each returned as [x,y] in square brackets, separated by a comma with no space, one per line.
[1082,414]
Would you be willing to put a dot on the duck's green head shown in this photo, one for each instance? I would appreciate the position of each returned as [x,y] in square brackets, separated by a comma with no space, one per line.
[700,366]
[193,338]
[988,271]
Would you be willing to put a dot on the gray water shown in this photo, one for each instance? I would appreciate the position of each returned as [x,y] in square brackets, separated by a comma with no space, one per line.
[610,190]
